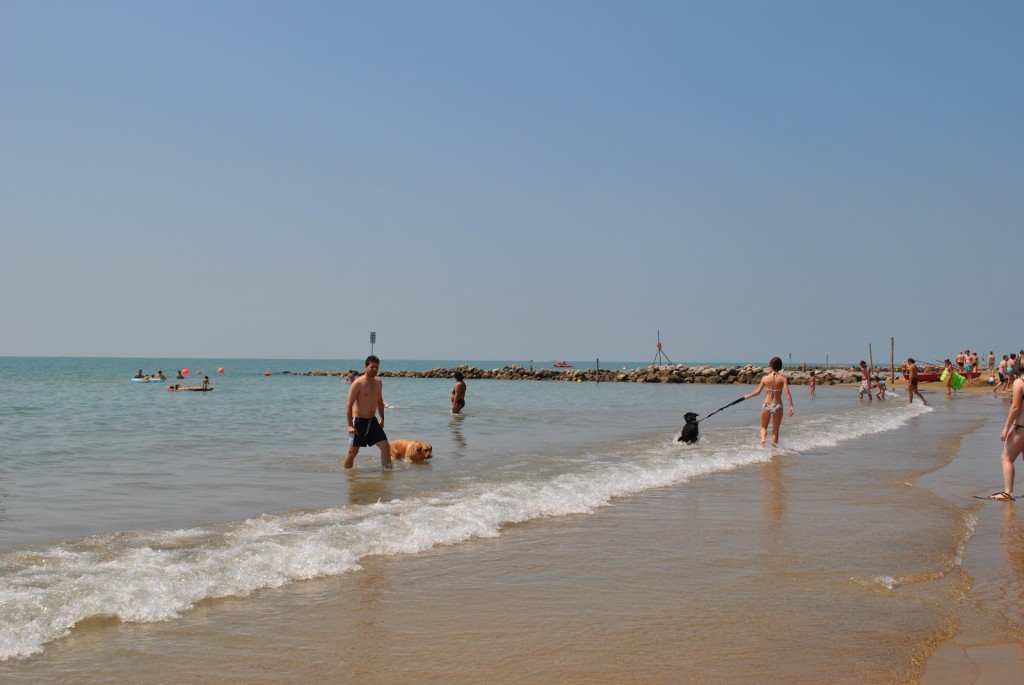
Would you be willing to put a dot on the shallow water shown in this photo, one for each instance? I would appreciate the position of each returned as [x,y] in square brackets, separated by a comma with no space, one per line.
[557,517]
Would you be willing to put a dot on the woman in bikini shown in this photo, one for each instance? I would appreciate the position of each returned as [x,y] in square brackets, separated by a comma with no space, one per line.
[774,384]
[1013,441]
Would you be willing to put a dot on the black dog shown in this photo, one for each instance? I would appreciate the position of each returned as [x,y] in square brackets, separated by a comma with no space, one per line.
[689,434]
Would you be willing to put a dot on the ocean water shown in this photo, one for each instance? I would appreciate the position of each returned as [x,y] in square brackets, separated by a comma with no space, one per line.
[125,501]
[126,509]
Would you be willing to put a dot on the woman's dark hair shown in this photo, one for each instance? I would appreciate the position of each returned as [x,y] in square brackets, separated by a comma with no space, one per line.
[776,364]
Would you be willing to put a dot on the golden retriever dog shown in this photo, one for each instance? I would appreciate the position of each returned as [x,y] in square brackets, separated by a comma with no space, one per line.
[411,450]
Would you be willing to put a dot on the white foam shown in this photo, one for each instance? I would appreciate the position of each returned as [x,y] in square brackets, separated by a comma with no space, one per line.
[146,577]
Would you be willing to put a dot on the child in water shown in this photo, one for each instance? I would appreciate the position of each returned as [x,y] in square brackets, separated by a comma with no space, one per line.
[880,384]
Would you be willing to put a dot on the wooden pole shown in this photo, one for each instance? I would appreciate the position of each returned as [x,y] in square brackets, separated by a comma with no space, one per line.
[892,360]
[598,369]
[871,366]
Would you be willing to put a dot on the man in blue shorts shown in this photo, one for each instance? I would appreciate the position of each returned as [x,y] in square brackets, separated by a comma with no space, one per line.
[365,401]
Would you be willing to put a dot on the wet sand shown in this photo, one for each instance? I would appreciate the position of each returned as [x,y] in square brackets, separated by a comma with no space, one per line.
[989,648]
[868,562]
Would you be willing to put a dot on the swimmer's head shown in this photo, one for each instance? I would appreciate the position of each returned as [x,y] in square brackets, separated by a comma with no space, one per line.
[775,364]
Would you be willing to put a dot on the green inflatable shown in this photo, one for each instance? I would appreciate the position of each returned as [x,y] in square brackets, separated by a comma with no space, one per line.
[957,382]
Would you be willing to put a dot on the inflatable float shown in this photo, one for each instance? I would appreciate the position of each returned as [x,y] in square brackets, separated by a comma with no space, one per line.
[957,382]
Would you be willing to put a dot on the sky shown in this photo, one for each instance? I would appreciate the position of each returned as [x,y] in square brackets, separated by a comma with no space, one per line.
[528,180]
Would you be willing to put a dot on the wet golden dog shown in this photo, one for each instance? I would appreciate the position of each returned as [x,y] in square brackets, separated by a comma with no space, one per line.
[411,450]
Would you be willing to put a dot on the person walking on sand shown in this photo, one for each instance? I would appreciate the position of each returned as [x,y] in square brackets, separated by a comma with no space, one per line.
[949,373]
[912,383]
[365,401]
[1002,374]
[1012,437]
[865,381]
[458,393]
[774,384]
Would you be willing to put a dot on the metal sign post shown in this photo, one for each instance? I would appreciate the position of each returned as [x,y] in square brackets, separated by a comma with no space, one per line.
[373,339]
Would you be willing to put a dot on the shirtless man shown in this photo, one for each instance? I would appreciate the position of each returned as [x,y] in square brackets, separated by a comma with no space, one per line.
[865,381]
[912,383]
[1002,374]
[365,401]
[458,393]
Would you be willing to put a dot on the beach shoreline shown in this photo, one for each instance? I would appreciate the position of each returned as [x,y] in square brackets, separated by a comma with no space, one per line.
[856,550]
[853,563]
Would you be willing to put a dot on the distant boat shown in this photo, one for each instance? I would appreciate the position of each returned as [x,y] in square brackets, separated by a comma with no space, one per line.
[562,365]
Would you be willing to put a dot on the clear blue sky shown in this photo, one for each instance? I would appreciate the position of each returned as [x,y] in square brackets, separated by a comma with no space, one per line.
[511,180]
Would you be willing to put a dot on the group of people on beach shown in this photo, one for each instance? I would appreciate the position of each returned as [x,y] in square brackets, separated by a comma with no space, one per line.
[1010,368]
[870,381]
[366,401]
[1011,377]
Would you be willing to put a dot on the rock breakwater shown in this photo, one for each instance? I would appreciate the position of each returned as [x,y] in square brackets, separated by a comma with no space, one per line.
[675,373]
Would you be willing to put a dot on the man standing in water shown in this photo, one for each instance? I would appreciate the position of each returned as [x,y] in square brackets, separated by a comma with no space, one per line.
[912,383]
[458,393]
[365,401]
[865,381]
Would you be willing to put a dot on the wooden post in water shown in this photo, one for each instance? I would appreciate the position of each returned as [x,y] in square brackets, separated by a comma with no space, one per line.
[871,363]
[598,369]
[892,360]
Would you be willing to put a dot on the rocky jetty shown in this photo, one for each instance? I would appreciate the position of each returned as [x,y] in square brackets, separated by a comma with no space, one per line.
[675,373]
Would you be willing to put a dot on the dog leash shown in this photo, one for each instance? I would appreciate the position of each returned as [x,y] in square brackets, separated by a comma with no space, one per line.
[725,407]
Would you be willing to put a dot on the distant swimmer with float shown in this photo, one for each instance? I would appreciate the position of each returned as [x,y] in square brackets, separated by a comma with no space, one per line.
[193,388]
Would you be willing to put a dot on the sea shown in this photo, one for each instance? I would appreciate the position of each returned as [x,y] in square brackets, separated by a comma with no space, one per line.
[559,534]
